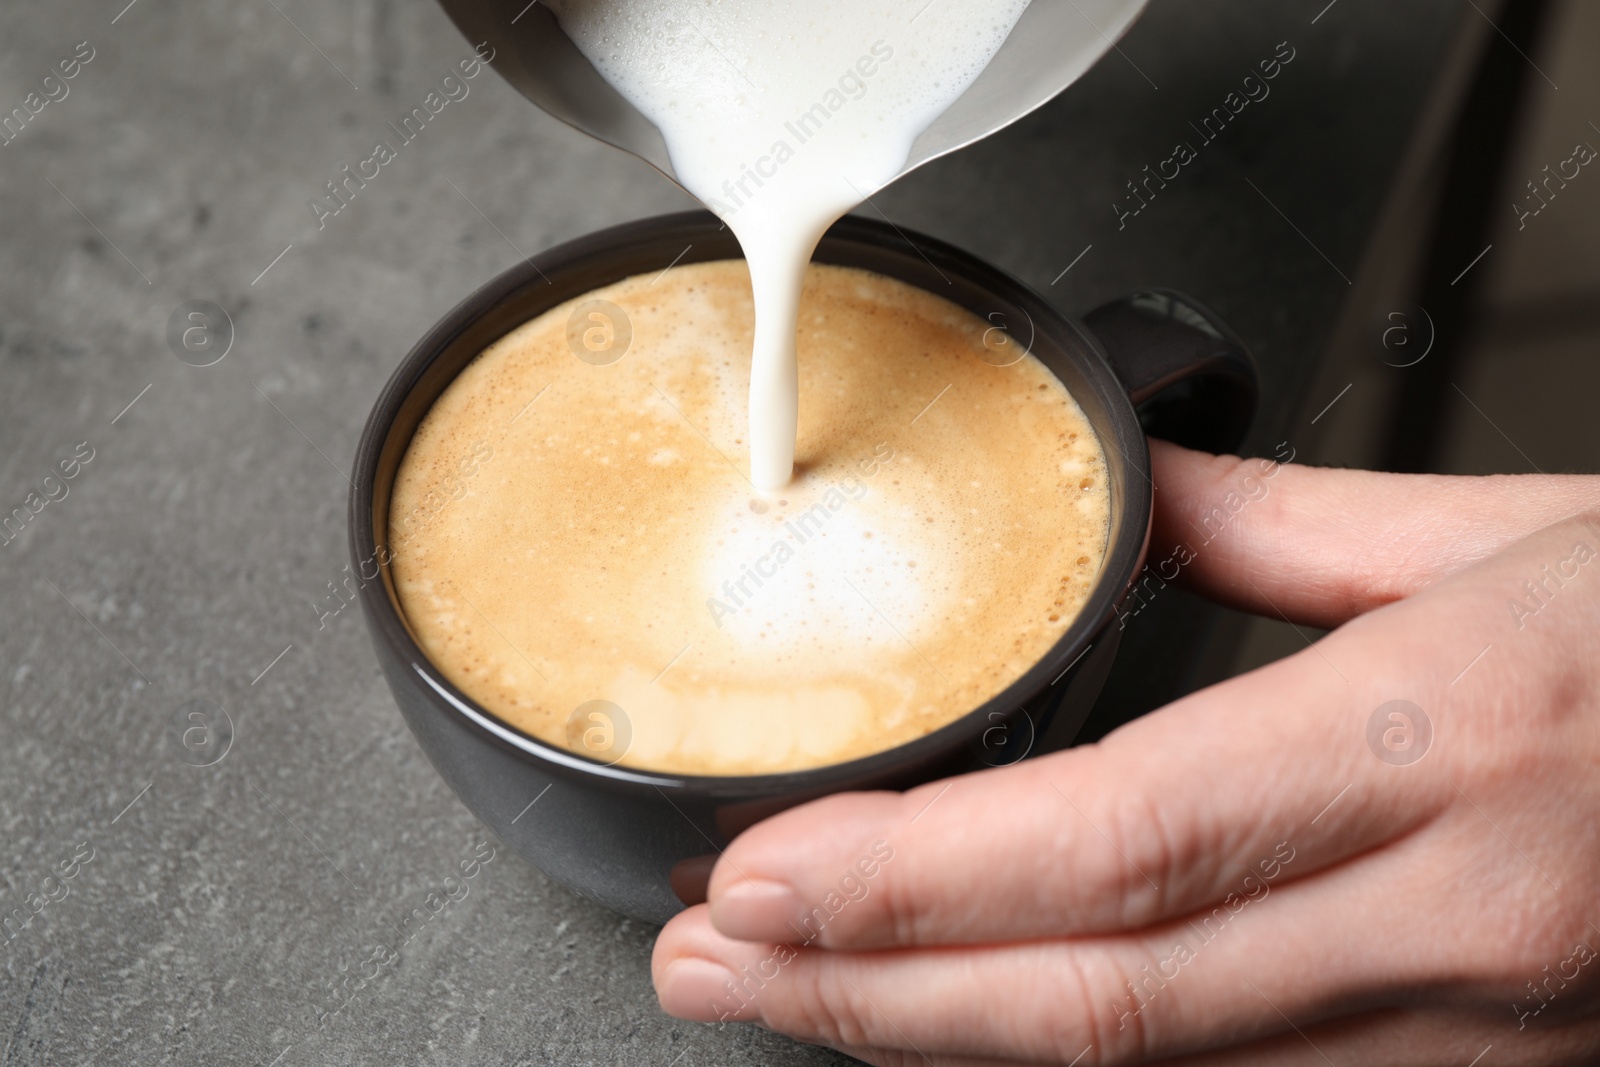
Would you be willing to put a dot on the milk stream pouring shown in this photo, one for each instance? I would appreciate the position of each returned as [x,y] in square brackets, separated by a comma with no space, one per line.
[781,117]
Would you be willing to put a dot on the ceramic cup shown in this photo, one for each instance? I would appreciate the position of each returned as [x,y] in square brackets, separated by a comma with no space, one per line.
[642,841]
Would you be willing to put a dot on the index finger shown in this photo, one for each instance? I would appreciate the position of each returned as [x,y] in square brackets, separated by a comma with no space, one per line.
[1207,798]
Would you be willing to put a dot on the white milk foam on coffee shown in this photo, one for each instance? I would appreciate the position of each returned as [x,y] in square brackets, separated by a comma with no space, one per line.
[564,532]
[781,116]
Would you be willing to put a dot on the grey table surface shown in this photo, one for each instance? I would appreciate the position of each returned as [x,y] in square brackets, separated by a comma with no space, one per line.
[222,902]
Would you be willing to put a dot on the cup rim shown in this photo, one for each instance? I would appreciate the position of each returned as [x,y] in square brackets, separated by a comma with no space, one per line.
[586,257]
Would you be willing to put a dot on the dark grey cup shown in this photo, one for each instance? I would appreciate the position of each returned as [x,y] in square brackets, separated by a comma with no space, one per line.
[640,841]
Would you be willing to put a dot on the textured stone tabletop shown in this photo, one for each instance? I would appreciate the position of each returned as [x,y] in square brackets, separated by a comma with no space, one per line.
[159,911]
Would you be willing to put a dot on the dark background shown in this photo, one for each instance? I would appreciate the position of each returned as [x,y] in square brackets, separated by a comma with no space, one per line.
[222,901]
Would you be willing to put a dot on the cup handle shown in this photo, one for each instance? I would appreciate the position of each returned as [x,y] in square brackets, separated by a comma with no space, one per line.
[1189,376]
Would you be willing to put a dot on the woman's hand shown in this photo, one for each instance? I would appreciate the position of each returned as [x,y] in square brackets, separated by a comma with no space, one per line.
[1383,849]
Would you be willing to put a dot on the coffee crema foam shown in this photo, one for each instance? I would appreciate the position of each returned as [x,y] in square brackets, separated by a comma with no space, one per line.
[947,521]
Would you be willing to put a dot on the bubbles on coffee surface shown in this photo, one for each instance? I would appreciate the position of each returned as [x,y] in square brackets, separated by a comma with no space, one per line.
[613,585]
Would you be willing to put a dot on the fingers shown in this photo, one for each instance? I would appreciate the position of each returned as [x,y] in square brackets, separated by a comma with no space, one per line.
[1394,1038]
[1323,545]
[1207,798]
[1398,1038]
[1213,979]
[893,1057]
[924,1002]
[1290,949]
[1269,776]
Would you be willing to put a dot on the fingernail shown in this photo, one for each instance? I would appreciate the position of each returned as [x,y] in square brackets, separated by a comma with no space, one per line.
[757,910]
[699,990]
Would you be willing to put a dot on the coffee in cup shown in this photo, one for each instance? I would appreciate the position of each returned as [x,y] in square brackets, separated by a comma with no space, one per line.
[577,547]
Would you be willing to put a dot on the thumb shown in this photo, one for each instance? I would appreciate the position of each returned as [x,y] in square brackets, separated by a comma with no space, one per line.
[1322,545]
